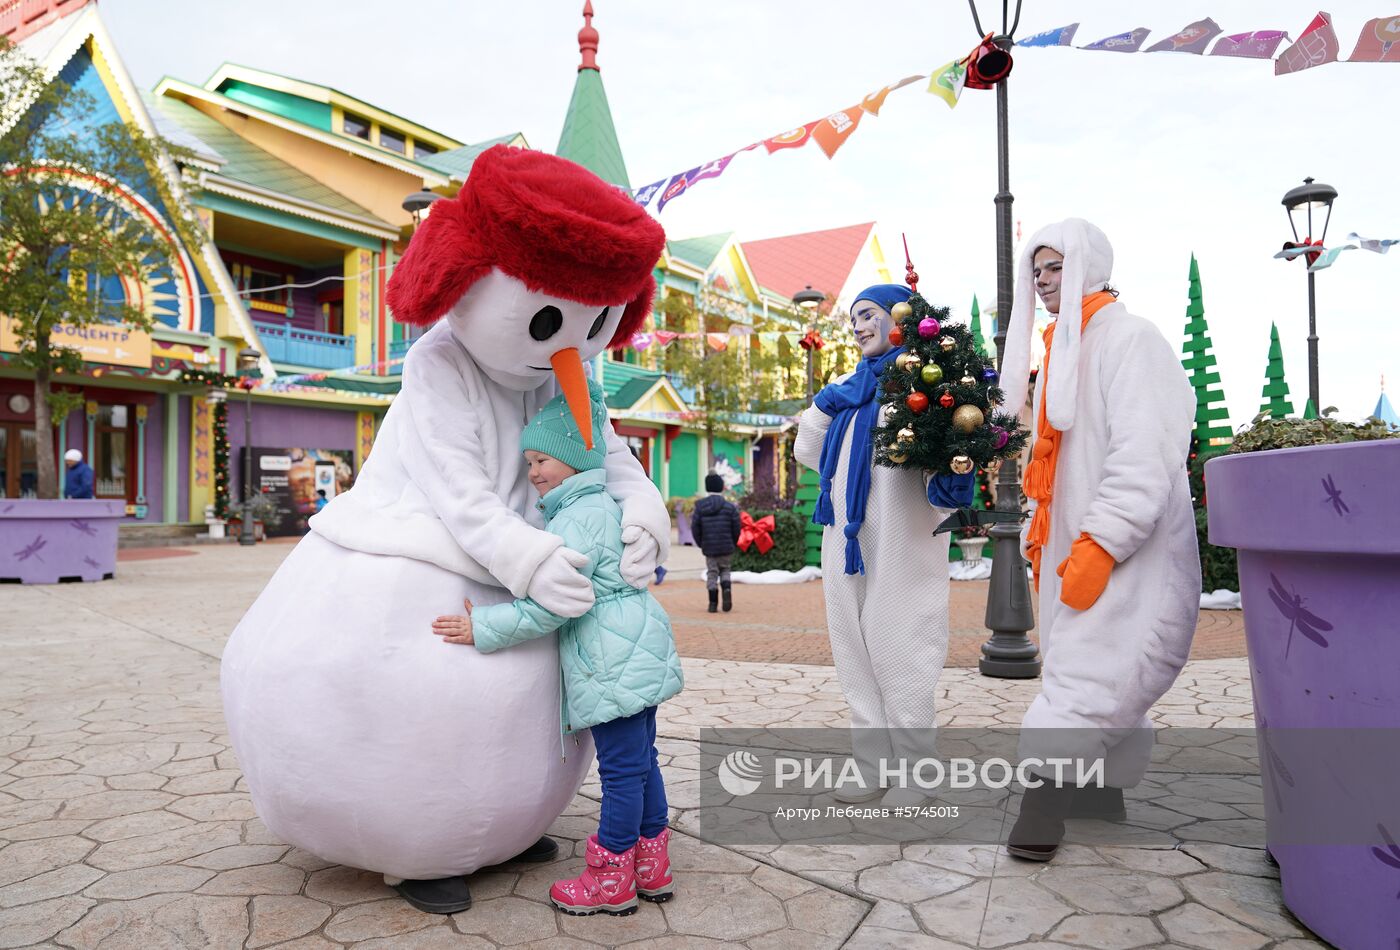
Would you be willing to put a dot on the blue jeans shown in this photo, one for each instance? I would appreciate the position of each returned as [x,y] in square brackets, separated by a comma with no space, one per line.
[634,797]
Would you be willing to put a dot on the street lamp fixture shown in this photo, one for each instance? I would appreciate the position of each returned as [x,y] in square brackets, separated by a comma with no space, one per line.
[248,360]
[1009,652]
[418,205]
[809,300]
[1300,203]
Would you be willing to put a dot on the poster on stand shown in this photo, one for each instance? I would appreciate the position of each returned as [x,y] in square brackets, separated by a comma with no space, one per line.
[290,478]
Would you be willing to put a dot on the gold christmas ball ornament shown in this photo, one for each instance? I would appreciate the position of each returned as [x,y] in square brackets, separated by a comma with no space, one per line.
[908,362]
[960,464]
[967,418]
[947,343]
[904,436]
[967,381]
[901,310]
[898,458]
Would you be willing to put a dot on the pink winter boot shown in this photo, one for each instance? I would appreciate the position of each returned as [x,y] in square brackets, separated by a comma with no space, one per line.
[654,867]
[608,884]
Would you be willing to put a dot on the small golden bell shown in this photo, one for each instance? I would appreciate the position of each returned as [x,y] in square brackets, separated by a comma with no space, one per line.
[960,464]
[947,343]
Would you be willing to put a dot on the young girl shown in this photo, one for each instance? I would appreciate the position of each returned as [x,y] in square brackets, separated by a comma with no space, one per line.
[618,660]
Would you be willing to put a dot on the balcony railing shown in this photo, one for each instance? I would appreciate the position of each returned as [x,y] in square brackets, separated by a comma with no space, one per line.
[397,350]
[288,344]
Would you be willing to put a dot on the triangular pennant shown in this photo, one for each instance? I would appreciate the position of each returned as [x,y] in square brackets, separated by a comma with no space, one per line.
[1191,39]
[1261,44]
[792,138]
[876,100]
[1129,42]
[1379,41]
[1317,45]
[831,133]
[947,81]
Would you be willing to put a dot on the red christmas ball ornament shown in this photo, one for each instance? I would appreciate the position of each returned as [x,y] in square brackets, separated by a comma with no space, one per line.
[896,336]
[917,402]
[946,400]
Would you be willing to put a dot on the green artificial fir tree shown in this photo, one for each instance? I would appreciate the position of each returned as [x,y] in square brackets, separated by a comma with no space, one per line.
[1212,419]
[939,398]
[1276,401]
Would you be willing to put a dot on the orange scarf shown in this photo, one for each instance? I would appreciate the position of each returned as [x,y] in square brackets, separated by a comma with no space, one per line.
[1039,479]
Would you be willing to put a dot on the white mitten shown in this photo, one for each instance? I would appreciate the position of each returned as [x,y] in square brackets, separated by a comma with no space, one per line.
[640,554]
[559,587]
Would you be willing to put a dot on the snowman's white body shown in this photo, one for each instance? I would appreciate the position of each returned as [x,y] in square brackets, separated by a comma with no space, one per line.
[365,739]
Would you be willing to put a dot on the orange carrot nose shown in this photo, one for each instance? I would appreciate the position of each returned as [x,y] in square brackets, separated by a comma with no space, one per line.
[568,367]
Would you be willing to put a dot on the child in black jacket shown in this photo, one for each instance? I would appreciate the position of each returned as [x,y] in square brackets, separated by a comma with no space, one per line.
[715,524]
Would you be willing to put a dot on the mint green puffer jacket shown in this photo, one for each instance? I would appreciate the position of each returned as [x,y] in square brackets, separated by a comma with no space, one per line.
[620,657]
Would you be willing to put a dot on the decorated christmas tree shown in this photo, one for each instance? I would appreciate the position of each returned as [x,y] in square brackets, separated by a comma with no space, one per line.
[1276,402]
[941,396]
[1212,432]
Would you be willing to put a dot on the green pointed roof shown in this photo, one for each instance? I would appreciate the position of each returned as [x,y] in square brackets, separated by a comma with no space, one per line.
[975,327]
[700,251]
[588,136]
[624,384]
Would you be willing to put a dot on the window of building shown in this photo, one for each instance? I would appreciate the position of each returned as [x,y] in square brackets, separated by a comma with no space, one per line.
[114,452]
[356,126]
[393,141]
[258,282]
[423,149]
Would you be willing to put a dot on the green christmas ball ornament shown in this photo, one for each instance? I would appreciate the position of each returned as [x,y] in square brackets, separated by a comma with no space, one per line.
[931,374]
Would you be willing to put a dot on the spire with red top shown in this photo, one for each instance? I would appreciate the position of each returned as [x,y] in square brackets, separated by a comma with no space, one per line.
[588,39]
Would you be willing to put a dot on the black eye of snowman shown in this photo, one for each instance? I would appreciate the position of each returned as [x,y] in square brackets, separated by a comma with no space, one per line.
[546,322]
[598,324]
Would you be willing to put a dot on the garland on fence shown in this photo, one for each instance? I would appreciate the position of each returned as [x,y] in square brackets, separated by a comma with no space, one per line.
[221,506]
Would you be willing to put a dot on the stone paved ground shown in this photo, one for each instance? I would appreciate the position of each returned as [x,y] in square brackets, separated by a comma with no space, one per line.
[124,821]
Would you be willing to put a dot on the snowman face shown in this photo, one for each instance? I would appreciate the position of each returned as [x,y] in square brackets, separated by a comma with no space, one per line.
[512,332]
[871,324]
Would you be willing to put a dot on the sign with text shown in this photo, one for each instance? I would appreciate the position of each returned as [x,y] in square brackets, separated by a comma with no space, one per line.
[99,343]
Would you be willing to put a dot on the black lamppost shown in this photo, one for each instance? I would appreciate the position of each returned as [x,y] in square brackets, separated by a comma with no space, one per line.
[1307,196]
[248,359]
[1009,652]
[809,300]
[417,205]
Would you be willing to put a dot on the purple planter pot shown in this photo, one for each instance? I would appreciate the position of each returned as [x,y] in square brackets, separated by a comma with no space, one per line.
[1318,535]
[45,542]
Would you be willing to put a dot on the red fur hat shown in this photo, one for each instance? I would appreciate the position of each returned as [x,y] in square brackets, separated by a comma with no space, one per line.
[549,223]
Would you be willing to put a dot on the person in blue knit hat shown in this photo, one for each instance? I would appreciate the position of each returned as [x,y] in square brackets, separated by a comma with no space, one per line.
[884,572]
[619,663]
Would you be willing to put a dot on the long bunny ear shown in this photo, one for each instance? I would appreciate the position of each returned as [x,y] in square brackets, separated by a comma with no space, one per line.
[1016,361]
[1062,387]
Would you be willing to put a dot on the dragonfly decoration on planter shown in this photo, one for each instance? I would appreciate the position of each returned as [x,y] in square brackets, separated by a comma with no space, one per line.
[32,549]
[1277,770]
[1334,496]
[1300,619]
[84,527]
[1391,855]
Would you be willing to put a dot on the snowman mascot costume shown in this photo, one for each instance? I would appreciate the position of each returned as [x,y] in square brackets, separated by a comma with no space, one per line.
[364,740]
[1112,540]
[884,573]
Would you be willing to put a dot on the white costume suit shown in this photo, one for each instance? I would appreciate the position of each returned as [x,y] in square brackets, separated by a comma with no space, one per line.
[889,626]
[1120,397]
[365,739]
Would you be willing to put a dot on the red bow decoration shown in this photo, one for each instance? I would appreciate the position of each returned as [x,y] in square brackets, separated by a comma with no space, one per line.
[758,532]
[812,341]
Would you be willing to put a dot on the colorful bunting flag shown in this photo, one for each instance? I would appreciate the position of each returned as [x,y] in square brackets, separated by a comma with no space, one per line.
[1192,39]
[1062,36]
[1329,257]
[876,100]
[947,82]
[718,341]
[1379,41]
[640,341]
[647,192]
[831,133]
[1316,46]
[1261,44]
[675,188]
[664,337]
[1372,244]
[792,138]
[1129,42]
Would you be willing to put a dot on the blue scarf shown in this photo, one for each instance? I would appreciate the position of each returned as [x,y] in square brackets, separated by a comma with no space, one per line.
[853,399]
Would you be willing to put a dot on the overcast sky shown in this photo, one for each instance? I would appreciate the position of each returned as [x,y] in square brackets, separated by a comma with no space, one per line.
[1168,153]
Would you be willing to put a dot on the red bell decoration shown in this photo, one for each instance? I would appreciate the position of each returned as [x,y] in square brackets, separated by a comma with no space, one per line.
[916,401]
[987,65]
[896,336]
[946,400]
[812,341]
[756,532]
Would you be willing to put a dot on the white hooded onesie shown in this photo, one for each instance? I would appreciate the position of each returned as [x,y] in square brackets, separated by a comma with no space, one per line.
[1120,397]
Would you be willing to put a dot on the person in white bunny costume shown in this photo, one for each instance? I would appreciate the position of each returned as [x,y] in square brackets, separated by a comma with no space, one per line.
[1112,540]
[364,740]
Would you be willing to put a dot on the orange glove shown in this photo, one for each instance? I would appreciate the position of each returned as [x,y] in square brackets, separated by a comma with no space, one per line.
[1084,574]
